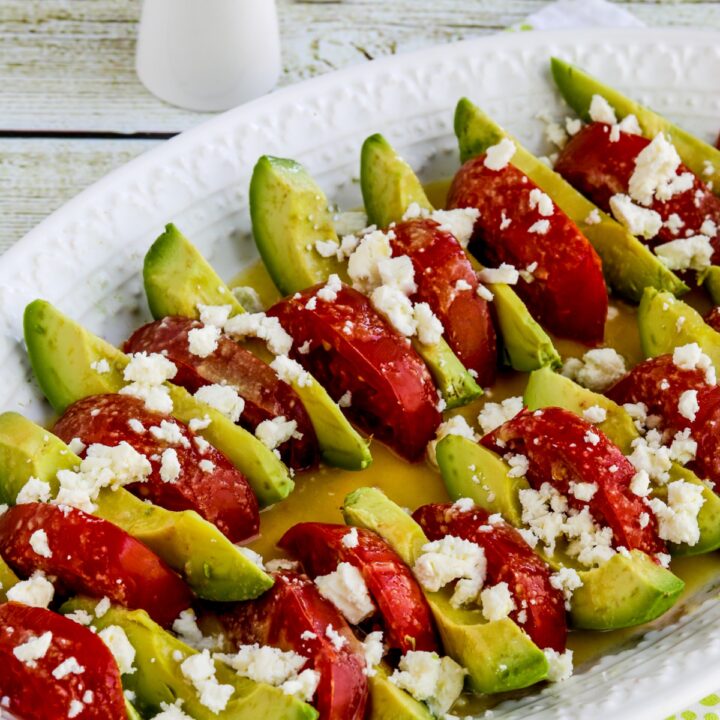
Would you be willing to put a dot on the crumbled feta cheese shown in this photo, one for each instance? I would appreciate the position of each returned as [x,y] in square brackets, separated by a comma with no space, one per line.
[498,156]
[215,315]
[651,456]
[396,308]
[264,664]
[456,425]
[709,228]
[493,415]
[329,291]
[449,559]
[683,448]
[690,253]
[597,370]
[351,539]
[595,414]
[121,648]
[261,326]
[429,328]
[327,248]
[567,581]
[675,186]
[655,166]
[674,223]
[519,465]
[691,357]
[506,274]
[484,293]
[247,297]
[76,446]
[39,543]
[593,217]
[186,627]
[373,650]
[363,263]
[170,433]
[399,273]
[146,373]
[459,222]
[463,505]
[337,640]
[69,666]
[688,405]
[34,490]
[223,398]
[591,438]
[136,426]
[497,602]
[169,466]
[540,227]
[638,412]
[601,111]
[203,341]
[290,371]
[573,125]
[583,491]
[200,670]
[430,679]
[76,707]
[171,712]
[678,518]
[102,607]
[346,589]
[462,285]
[275,432]
[638,220]
[345,399]
[560,665]
[541,201]
[350,222]
[207,466]
[33,649]
[101,366]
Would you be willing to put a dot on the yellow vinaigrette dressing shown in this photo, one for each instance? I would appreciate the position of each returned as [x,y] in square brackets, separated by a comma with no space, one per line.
[318,495]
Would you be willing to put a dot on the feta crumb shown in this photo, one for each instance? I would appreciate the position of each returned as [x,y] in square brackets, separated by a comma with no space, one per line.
[170,433]
[76,446]
[39,543]
[263,327]
[428,327]
[459,222]
[34,490]
[290,371]
[121,648]
[363,263]
[597,370]
[519,464]
[171,712]
[493,415]
[264,664]
[69,666]
[541,201]
[688,405]
[498,156]
[169,466]
[329,291]
[560,665]
[398,272]
[463,505]
[223,398]
[337,640]
[638,220]
[207,466]
[351,539]
[651,456]
[683,448]
[678,518]
[203,341]
[275,432]
[200,670]
[655,167]
[690,253]
[373,650]
[484,293]
[33,649]
[583,491]
[350,222]
[346,589]
[591,438]
[345,399]
[506,274]
[573,125]
[76,707]
[146,373]
[497,602]
[691,357]
[567,581]
[101,366]
[37,591]
[540,227]
[136,426]
[601,111]
[595,414]
[396,308]
[215,315]
[327,248]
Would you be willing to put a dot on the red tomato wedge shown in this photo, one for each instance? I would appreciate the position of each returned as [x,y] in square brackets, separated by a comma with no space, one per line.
[509,559]
[33,692]
[600,168]
[567,294]
[266,396]
[562,448]
[440,263]
[405,613]
[292,615]
[713,318]
[92,556]
[218,492]
[350,348]
[659,383]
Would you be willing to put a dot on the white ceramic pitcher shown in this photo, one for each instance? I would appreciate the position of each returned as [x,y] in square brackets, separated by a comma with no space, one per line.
[208,54]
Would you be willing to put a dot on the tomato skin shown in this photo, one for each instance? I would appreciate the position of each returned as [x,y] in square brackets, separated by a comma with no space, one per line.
[293,607]
[33,692]
[568,293]
[393,396]
[509,559]
[439,262]
[553,440]
[266,396]
[713,318]
[406,615]
[222,496]
[92,556]
[599,169]
[644,383]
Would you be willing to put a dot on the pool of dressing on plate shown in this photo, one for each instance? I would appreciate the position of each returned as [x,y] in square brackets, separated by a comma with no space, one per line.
[318,495]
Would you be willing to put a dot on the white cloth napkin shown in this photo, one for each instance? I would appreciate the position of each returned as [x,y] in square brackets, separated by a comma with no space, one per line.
[565,14]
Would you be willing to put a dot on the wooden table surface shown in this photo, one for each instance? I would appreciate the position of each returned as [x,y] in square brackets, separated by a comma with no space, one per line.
[72,108]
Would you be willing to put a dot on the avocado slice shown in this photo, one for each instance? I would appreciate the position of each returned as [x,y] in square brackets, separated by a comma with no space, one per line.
[577,87]
[132,713]
[289,214]
[211,565]
[389,702]
[546,388]
[60,353]
[660,333]
[711,282]
[7,579]
[178,278]
[628,265]
[499,656]
[470,470]
[389,186]
[158,678]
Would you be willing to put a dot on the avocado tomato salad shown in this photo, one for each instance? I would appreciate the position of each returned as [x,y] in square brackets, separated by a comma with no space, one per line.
[203,531]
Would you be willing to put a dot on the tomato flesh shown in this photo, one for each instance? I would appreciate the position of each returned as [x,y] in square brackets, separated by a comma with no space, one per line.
[439,263]
[405,613]
[559,451]
[221,494]
[292,615]
[567,294]
[92,556]
[511,560]
[33,692]
[348,346]
[266,396]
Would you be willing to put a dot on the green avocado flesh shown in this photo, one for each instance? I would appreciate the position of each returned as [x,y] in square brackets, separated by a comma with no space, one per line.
[577,87]
[7,579]
[499,656]
[289,214]
[711,282]
[389,186]
[132,713]
[628,265]
[158,679]
[660,332]
[645,594]
[61,352]
[211,565]
[546,388]
[388,702]
[178,278]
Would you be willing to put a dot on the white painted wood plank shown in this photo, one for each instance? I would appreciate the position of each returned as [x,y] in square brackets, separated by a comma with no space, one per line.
[38,176]
[69,64]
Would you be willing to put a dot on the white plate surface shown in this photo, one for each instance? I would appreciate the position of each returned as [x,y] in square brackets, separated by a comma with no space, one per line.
[87,256]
